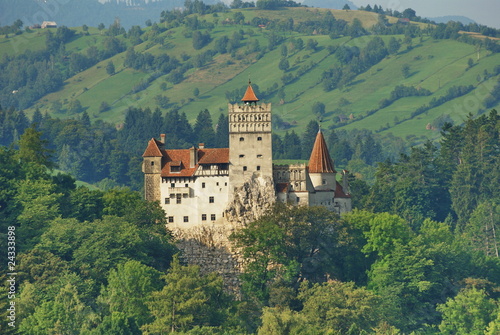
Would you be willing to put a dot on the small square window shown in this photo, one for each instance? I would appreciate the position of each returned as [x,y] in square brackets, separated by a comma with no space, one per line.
[259,156]
[172,185]
[203,217]
[170,219]
[258,167]
[244,168]
[202,185]
[212,217]
[241,156]
[152,163]
[242,139]
[178,198]
[186,185]
[259,138]
[324,181]
[211,200]
[167,201]
[186,219]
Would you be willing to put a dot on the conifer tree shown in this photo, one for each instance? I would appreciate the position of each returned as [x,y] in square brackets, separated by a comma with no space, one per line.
[204,130]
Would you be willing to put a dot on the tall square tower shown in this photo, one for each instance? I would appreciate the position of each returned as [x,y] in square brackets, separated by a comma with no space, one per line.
[250,139]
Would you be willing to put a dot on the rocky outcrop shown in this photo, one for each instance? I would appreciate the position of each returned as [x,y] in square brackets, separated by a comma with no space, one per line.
[251,201]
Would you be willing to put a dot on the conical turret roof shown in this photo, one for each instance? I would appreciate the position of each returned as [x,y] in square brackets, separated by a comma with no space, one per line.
[249,94]
[153,149]
[320,161]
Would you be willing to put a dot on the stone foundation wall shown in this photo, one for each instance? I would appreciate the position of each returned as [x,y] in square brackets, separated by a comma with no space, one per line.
[209,247]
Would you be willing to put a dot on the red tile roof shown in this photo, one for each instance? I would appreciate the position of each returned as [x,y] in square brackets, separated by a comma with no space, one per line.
[281,187]
[181,157]
[153,149]
[320,161]
[177,158]
[339,192]
[249,95]
[213,156]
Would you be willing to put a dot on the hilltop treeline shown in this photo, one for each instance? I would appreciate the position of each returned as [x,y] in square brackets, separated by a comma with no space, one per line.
[418,253]
[452,27]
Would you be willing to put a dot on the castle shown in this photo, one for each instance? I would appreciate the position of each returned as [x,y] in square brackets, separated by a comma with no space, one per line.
[195,186]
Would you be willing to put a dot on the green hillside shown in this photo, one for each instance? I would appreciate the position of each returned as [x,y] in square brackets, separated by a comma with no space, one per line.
[434,65]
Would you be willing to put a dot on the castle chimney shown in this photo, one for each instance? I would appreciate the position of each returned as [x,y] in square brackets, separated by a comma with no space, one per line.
[162,138]
[193,157]
[201,145]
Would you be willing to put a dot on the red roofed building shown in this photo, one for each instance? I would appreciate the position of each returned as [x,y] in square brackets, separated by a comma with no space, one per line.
[196,185]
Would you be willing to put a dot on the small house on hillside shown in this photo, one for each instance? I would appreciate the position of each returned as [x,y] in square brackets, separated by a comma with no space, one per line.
[49,24]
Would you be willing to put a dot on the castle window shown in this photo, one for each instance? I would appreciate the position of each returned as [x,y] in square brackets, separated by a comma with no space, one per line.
[212,217]
[167,201]
[186,185]
[203,217]
[170,219]
[258,167]
[211,200]
[259,138]
[259,156]
[241,156]
[242,139]
[298,199]
[324,181]
[175,169]
[178,198]
[225,184]
[172,185]
[186,219]
[244,168]
[152,163]
[202,185]
[217,184]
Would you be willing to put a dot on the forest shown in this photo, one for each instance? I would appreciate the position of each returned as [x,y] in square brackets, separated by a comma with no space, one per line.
[418,255]
[85,254]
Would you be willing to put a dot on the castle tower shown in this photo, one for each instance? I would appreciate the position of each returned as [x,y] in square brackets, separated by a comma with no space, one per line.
[250,144]
[321,169]
[151,166]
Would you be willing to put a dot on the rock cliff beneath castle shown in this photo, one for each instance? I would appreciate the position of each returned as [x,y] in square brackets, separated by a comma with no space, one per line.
[250,201]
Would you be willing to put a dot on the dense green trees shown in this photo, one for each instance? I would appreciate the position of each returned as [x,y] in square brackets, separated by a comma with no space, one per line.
[91,261]
[187,300]
[422,256]
[290,245]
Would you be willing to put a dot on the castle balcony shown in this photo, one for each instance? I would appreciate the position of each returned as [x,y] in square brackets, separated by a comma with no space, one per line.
[187,192]
[211,172]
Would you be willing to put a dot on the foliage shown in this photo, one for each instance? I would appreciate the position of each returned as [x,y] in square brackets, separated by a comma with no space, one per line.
[289,245]
[188,299]
[469,312]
